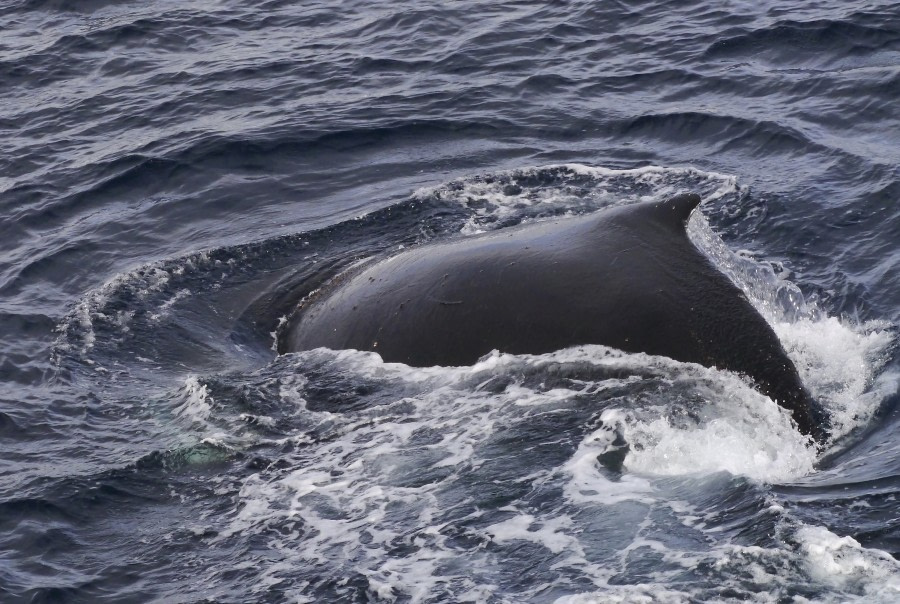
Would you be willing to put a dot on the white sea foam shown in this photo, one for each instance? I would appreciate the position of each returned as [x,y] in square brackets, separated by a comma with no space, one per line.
[838,361]
[843,564]
[196,405]
[589,484]
[353,497]
[93,307]
[99,307]
[759,443]
[493,200]
[547,532]
[836,569]
[196,411]
[629,594]
[660,178]
[395,477]
[165,308]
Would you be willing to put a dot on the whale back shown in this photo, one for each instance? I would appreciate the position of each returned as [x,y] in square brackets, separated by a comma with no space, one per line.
[627,277]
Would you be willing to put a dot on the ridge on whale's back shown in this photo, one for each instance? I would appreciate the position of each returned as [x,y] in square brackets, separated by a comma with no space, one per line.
[627,277]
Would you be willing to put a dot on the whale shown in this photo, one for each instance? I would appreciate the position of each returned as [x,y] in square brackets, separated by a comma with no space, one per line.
[627,277]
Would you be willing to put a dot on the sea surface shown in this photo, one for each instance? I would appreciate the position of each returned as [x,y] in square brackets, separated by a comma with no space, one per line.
[175,177]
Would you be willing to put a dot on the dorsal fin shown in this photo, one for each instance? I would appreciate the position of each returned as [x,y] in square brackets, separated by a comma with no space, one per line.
[676,210]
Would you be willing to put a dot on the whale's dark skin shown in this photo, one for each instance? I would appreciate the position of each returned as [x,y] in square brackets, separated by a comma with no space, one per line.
[626,277]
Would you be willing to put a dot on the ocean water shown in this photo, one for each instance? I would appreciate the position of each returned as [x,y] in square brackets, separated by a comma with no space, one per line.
[175,177]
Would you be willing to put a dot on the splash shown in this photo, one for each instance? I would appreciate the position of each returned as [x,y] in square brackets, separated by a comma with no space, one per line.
[838,359]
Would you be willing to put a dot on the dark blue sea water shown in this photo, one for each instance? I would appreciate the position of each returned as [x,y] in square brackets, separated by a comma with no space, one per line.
[175,176]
